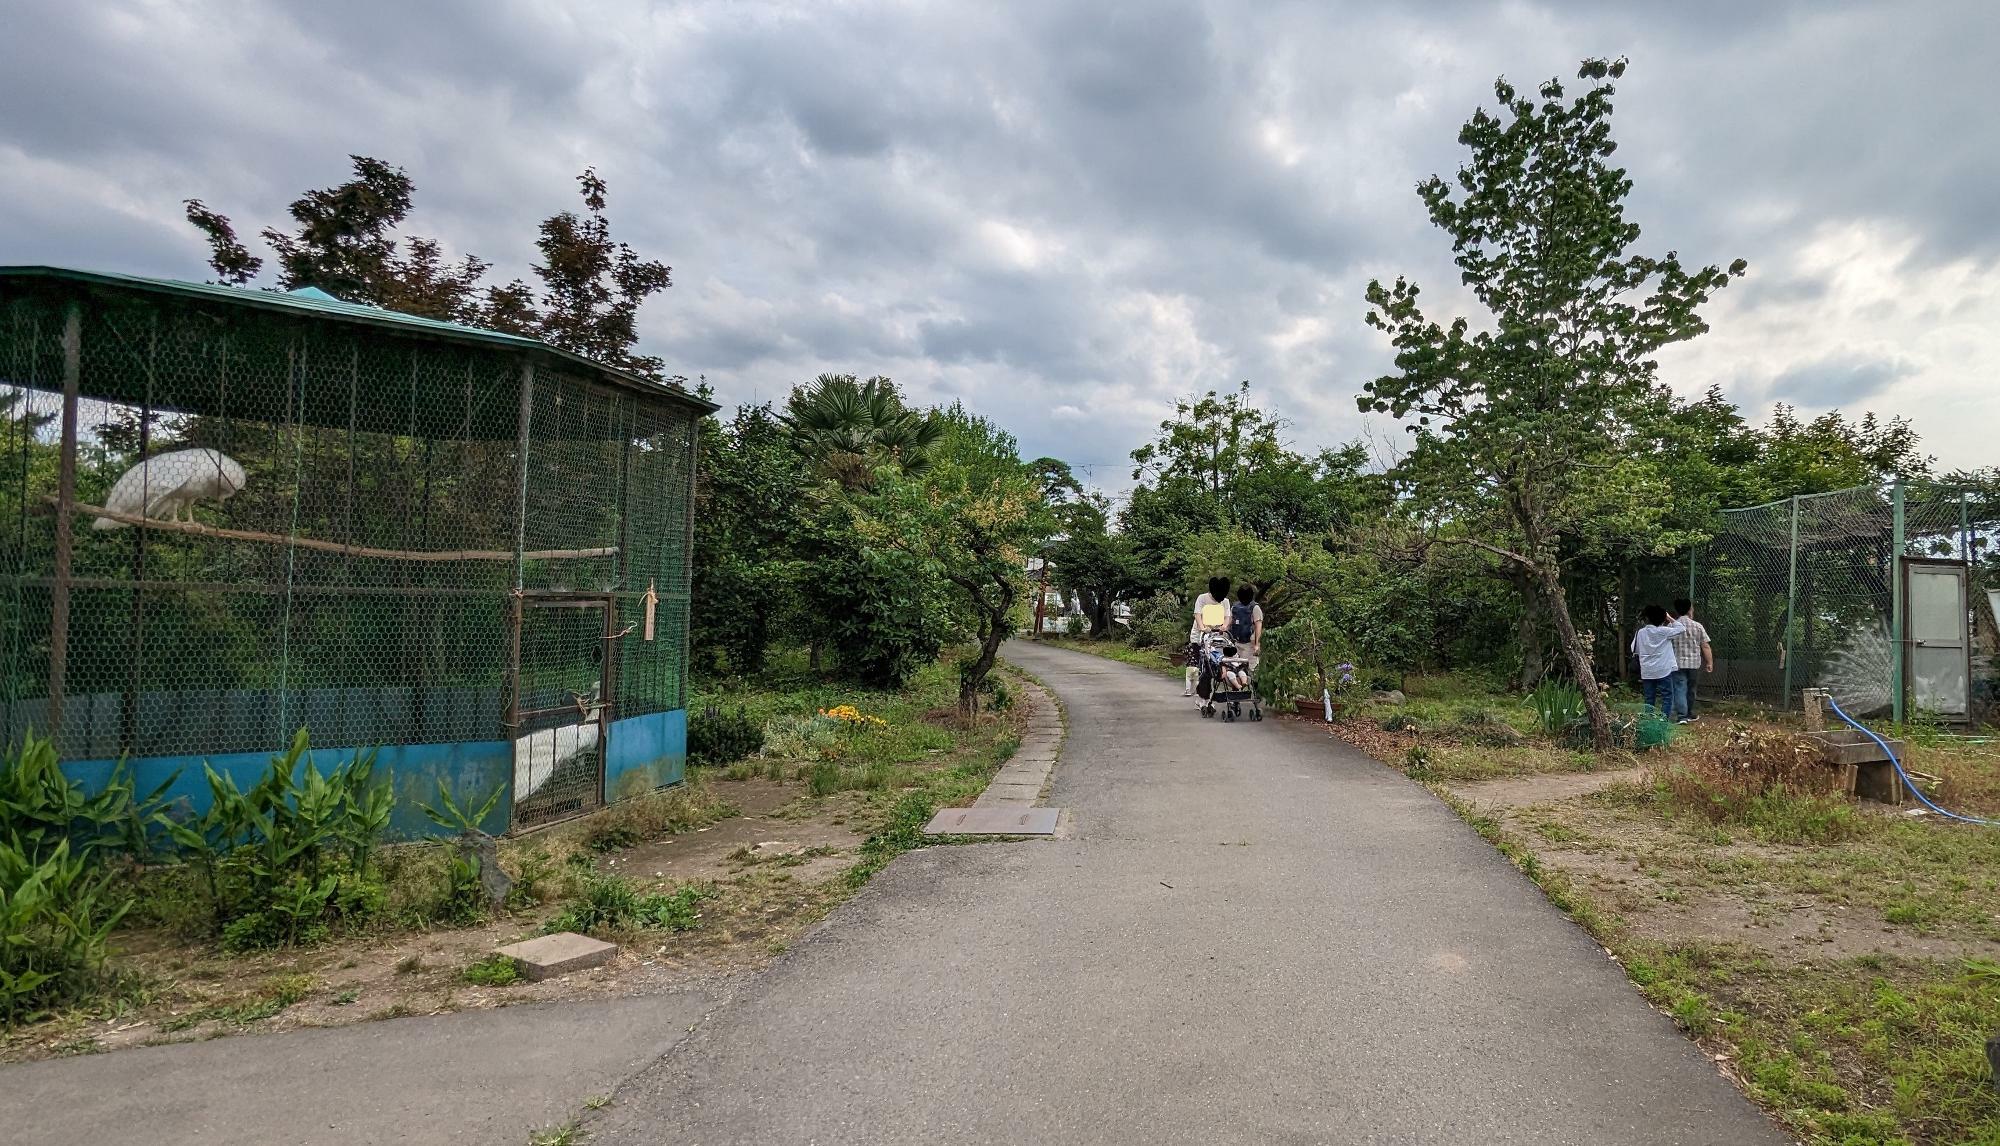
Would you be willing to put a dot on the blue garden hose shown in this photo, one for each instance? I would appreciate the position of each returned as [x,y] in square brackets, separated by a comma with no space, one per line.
[1907,782]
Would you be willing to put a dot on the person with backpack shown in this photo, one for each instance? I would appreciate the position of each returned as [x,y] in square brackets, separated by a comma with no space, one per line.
[1246,623]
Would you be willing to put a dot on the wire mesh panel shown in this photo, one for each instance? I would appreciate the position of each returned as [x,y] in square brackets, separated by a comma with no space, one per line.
[220,522]
[1800,593]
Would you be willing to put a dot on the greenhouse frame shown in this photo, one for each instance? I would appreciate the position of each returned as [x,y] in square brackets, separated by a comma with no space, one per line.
[233,513]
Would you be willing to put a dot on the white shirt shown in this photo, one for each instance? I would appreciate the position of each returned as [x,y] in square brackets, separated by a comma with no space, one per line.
[1655,646]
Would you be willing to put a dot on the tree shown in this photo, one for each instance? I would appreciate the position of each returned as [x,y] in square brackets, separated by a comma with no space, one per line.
[1101,567]
[1523,424]
[751,503]
[343,240]
[974,516]
[592,286]
[850,429]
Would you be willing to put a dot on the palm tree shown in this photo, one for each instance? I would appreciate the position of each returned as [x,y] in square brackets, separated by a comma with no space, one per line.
[849,429]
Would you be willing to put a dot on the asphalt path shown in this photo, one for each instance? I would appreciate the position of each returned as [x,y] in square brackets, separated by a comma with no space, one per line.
[1252,934]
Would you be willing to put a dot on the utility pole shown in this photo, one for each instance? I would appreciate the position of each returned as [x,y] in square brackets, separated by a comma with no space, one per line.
[1042,596]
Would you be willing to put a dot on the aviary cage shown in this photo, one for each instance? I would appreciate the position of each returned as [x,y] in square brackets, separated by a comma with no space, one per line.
[231,513]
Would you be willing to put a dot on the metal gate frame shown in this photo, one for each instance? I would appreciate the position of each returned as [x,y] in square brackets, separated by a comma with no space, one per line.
[603,710]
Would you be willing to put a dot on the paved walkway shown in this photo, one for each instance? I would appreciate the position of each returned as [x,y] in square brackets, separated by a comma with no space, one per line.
[474,1077]
[1253,935]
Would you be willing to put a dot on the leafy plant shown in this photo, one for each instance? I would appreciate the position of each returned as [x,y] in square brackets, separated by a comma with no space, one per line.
[55,915]
[1419,761]
[1558,706]
[719,737]
[40,807]
[289,856]
[474,880]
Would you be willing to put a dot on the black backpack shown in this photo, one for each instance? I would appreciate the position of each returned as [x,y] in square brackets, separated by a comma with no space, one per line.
[1242,622]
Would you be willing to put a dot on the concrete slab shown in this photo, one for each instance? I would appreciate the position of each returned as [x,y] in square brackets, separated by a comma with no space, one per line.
[1014,821]
[547,956]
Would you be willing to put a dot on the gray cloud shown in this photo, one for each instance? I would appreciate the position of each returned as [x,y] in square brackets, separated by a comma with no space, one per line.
[1838,381]
[1064,214]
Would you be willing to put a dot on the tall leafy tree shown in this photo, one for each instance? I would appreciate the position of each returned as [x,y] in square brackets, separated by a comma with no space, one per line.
[973,517]
[1524,421]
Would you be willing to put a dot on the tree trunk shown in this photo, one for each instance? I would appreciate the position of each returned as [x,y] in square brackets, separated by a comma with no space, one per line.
[1530,633]
[1557,605]
[993,630]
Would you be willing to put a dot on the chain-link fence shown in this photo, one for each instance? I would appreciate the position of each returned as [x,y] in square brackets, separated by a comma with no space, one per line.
[1803,593]
[231,513]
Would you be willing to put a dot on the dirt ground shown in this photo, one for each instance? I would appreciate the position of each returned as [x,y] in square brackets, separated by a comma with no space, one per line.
[772,865]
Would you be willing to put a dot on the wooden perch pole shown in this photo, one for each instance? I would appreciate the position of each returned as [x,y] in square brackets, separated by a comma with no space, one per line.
[197,529]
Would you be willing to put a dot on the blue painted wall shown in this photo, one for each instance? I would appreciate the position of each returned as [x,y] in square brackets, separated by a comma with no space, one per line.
[644,753]
[470,769]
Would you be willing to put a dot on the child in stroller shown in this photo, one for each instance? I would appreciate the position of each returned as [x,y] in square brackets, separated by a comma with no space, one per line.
[1225,680]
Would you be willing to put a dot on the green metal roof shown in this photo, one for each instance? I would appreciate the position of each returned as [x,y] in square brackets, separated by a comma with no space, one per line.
[313,303]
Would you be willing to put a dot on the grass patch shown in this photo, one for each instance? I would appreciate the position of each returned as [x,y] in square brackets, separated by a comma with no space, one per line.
[1160,660]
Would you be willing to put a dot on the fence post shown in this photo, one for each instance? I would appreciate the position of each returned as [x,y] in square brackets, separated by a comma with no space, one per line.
[1691,552]
[1791,601]
[72,355]
[1896,541]
[1964,527]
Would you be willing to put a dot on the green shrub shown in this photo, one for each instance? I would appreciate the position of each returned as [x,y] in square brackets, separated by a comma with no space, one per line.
[54,917]
[1770,782]
[718,737]
[823,779]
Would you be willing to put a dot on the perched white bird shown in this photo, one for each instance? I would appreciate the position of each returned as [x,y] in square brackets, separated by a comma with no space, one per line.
[166,485]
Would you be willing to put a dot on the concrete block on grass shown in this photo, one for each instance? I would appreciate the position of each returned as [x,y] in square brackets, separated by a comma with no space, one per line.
[547,956]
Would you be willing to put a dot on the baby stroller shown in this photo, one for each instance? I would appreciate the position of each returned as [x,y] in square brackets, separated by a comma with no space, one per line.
[1219,660]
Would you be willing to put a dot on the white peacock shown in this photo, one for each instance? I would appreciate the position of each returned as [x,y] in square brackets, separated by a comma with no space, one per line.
[165,486]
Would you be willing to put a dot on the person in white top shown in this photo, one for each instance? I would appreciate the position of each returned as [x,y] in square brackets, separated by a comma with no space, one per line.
[1659,667]
[1218,594]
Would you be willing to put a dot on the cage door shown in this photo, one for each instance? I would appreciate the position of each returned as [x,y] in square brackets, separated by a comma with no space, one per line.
[1937,648]
[562,693]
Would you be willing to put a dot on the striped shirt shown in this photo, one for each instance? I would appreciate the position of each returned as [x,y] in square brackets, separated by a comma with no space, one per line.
[1688,643]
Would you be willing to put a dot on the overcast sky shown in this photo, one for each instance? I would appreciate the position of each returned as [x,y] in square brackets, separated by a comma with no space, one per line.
[1066,214]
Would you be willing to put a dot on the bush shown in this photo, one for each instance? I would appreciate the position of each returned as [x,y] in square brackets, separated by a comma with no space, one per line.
[1160,622]
[718,737]
[1419,761]
[672,911]
[54,917]
[1771,782]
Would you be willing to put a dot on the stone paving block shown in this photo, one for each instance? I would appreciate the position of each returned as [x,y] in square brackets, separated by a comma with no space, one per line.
[547,956]
[1013,821]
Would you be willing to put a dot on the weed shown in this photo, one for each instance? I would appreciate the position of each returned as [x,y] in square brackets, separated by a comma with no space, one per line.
[410,964]
[1417,761]
[1558,706]
[568,1134]
[597,1102]
[493,971]
[1768,781]
[346,998]
[604,903]
[672,911]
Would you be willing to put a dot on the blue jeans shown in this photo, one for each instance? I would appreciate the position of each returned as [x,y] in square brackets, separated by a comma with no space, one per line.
[1667,695]
[1687,691]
